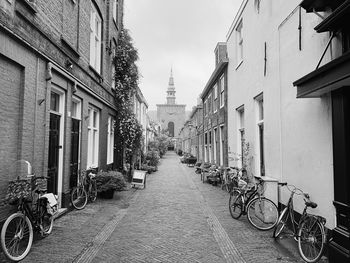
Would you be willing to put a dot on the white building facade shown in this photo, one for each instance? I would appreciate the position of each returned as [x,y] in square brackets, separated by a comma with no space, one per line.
[270,45]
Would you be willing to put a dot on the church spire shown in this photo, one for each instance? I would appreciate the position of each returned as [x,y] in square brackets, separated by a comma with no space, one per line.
[171,89]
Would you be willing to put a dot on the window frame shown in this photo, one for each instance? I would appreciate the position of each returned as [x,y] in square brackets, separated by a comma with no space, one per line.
[222,144]
[240,134]
[115,11]
[239,43]
[215,101]
[93,137]
[259,101]
[95,39]
[222,91]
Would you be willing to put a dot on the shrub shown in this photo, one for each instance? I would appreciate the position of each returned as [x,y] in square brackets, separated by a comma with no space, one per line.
[152,158]
[148,168]
[111,180]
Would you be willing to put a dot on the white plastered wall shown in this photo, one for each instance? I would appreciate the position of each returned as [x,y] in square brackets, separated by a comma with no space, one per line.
[297,132]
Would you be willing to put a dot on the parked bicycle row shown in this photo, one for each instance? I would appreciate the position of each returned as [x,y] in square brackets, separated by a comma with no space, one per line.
[246,197]
[36,209]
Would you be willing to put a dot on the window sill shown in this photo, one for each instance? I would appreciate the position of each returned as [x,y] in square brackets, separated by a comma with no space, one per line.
[239,64]
[70,47]
[98,75]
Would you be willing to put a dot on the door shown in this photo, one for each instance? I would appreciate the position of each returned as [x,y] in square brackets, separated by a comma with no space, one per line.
[340,244]
[74,158]
[54,146]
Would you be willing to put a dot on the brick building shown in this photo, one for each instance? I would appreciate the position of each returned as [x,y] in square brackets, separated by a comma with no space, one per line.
[57,105]
[214,97]
[171,115]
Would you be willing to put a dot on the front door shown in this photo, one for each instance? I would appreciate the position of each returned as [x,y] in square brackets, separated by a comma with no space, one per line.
[74,158]
[54,146]
[340,244]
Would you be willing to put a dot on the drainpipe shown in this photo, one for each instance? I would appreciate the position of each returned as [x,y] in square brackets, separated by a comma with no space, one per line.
[35,109]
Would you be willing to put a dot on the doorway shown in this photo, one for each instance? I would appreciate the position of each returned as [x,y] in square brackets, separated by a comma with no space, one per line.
[56,139]
[75,142]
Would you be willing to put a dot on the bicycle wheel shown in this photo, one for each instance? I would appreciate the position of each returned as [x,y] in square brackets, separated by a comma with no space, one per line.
[78,198]
[236,204]
[281,223]
[45,221]
[93,191]
[311,240]
[262,213]
[16,237]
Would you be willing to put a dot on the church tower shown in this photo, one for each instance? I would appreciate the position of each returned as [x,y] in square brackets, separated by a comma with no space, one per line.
[170,98]
[171,116]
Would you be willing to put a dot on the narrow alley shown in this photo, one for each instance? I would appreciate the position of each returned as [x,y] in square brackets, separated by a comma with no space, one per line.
[176,218]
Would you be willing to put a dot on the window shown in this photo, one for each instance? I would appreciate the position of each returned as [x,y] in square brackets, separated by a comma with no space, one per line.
[210,142]
[210,104]
[115,11]
[93,136]
[222,91]
[260,136]
[257,5]
[206,147]
[95,39]
[76,108]
[215,104]
[55,102]
[215,145]
[222,145]
[239,39]
[240,134]
[114,47]
[110,140]
[205,108]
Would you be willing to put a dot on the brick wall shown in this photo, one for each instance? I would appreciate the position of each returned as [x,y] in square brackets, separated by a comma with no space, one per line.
[25,86]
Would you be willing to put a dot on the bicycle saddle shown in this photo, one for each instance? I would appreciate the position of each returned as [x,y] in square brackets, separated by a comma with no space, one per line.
[311,204]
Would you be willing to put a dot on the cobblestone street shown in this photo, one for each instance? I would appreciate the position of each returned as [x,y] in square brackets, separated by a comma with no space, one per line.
[176,218]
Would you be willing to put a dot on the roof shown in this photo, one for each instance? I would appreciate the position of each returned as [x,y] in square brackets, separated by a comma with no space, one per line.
[214,76]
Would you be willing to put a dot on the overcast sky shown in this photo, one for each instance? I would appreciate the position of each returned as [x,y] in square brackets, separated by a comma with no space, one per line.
[181,34]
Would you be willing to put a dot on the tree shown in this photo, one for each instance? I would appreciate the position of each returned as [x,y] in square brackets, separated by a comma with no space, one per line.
[128,132]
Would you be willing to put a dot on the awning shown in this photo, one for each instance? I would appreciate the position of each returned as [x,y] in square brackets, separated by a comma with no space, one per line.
[337,20]
[320,5]
[331,76]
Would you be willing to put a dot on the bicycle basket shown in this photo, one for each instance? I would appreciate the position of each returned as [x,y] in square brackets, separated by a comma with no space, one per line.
[41,184]
[18,189]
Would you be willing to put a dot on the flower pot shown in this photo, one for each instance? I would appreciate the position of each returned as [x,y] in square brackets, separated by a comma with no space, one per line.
[108,194]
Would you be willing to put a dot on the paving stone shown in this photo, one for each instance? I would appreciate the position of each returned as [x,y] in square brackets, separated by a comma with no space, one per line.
[176,218]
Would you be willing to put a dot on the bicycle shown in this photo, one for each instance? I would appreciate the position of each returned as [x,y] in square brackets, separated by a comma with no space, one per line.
[84,191]
[246,199]
[33,212]
[228,176]
[309,231]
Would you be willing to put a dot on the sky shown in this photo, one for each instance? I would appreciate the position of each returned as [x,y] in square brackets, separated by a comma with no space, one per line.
[181,35]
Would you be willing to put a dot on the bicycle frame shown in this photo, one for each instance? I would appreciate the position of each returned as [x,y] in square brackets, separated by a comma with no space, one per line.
[247,199]
[290,210]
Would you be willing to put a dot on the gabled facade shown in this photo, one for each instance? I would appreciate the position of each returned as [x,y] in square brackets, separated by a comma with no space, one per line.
[214,100]
[57,102]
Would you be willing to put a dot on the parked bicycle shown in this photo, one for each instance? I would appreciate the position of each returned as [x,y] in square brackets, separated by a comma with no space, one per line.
[309,231]
[85,190]
[247,199]
[35,211]
[228,178]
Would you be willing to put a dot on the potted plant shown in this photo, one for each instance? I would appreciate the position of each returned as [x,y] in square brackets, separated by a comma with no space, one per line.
[108,182]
